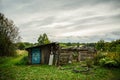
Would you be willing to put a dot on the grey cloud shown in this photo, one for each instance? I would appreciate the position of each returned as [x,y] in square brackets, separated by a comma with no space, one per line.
[39,22]
[95,21]
[13,5]
[47,21]
[100,19]
[89,15]
[53,5]
[94,38]
[73,4]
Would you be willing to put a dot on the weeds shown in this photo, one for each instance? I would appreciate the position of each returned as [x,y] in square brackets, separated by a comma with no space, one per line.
[10,71]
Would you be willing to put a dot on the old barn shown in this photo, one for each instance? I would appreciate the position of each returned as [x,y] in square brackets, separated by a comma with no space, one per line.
[41,54]
[52,54]
[75,54]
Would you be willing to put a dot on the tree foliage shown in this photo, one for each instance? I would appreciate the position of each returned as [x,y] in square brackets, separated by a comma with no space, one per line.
[23,45]
[43,39]
[100,45]
[20,45]
[8,36]
[110,55]
[113,46]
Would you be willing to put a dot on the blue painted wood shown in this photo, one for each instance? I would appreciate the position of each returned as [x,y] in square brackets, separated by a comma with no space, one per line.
[36,55]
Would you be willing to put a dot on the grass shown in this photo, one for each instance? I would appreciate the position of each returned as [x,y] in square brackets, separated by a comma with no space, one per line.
[10,70]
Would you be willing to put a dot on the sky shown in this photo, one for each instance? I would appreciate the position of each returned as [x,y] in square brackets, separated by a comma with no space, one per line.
[65,20]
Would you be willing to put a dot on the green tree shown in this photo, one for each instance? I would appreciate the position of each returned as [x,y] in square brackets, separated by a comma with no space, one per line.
[43,39]
[107,46]
[100,45]
[68,44]
[8,36]
[27,44]
[21,45]
[118,48]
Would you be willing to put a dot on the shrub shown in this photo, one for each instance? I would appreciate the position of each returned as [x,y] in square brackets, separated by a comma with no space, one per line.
[117,59]
[98,56]
[107,62]
[109,59]
[114,56]
[89,62]
[23,61]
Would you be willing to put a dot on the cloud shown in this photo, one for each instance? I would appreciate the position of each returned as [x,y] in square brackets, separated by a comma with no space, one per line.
[65,20]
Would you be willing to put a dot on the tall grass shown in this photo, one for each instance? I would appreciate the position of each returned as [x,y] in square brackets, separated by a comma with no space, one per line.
[11,68]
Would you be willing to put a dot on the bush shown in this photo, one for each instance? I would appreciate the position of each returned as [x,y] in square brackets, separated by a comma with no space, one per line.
[109,59]
[23,61]
[107,62]
[117,59]
[89,62]
[98,56]
[114,56]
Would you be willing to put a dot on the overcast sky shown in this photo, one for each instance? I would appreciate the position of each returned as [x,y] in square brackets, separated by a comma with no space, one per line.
[65,20]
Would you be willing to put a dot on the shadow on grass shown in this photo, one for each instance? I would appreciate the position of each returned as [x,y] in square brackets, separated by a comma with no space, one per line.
[22,61]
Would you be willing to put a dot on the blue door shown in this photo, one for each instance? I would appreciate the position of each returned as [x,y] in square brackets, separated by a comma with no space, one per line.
[36,56]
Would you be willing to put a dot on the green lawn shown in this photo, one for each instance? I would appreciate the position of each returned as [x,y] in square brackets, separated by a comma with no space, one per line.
[10,70]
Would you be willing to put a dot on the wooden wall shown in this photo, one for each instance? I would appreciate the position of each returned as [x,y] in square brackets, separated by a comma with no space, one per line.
[45,53]
[67,54]
[46,50]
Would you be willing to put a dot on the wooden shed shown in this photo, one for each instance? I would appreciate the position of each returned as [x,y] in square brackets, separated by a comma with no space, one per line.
[41,54]
[67,54]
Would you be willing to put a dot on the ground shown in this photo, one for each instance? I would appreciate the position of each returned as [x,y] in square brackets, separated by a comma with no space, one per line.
[14,68]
